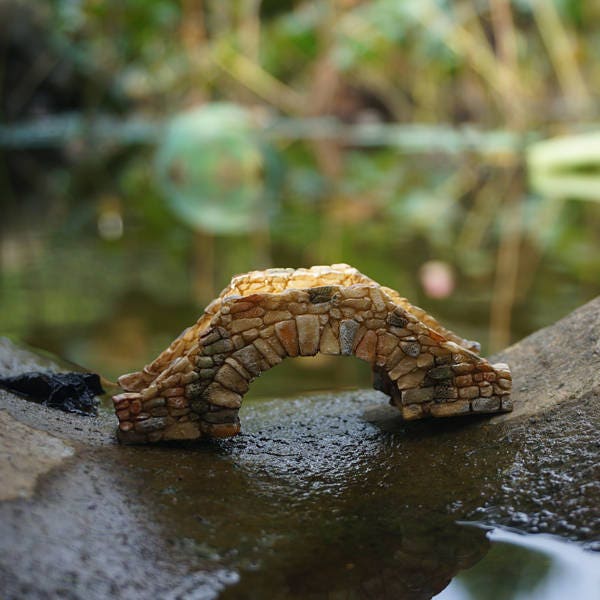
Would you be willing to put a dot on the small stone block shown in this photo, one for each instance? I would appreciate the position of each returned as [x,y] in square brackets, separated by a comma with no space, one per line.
[217,395]
[463,380]
[471,391]
[410,412]
[308,334]
[367,346]
[417,395]
[288,336]
[486,405]
[230,378]
[450,409]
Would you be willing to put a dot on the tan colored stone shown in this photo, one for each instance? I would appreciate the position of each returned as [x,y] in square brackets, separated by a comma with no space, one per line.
[424,360]
[250,335]
[217,395]
[181,431]
[252,313]
[485,389]
[450,409]
[288,336]
[505,384]
[411,380]
[251,359]
[463,380]
[267,351]
[329,343]
[245,324]
[308,334]
[386,343]
[230,378]
[176,391]
[374,323]
[410,412]
[356,303]
[468,392]
[417,395]
[277,347]
[274,316]
[407,364]
[240,306]
[367,347]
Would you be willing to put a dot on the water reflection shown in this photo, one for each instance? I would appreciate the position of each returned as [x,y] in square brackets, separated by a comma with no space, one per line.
[528,567]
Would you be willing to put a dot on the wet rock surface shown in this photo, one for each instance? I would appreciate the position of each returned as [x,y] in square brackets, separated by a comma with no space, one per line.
[320,495]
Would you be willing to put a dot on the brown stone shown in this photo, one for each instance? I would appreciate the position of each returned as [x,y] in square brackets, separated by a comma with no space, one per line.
[407,364]
[176,391]
[486,390]
[417,395]
[240,306]
[463,380]
[177,402]
[410,412]
[411,380]
[274,316]
[308,334]
[463,368]
[251,359]
[424,360]
[468,392]
[288,336]
[386,342]
[231,379]
[217,395]
[255,311]
[356,303]
[181,431]
[220,430]
[245,324]
[329,343]
[367,347]
[267,351]
[450,409]
[505,384]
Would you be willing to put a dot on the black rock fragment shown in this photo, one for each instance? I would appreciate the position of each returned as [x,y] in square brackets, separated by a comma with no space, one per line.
[70,392]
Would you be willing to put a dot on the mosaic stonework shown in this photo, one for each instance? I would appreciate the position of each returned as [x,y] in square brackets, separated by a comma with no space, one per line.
[195,387]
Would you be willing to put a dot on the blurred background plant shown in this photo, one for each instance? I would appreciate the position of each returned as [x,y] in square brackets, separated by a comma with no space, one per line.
[150,150]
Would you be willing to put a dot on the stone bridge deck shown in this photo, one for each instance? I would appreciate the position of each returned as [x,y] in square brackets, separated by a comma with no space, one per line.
[195,387]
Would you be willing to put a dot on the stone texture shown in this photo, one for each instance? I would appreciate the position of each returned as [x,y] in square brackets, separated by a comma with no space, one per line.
[329,342]
[308,334]
[288,336]
[348,329]
[367,347]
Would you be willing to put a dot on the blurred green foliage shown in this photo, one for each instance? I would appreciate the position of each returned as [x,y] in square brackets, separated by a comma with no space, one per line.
[385,134]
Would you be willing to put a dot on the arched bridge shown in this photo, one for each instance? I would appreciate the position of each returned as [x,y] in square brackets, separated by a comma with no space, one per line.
[195,387]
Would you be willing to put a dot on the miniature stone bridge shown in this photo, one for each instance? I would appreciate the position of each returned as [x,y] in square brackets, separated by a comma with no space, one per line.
[194,388]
